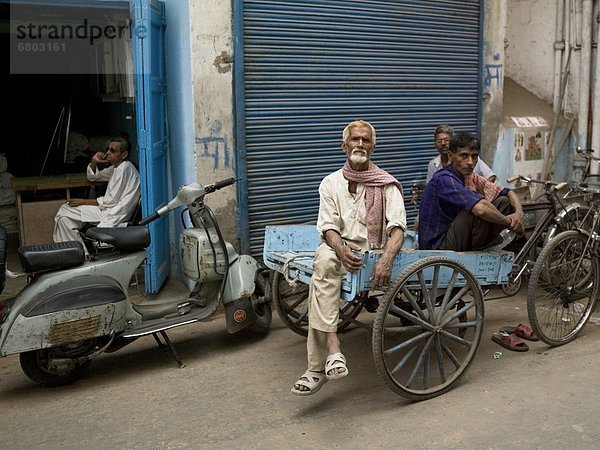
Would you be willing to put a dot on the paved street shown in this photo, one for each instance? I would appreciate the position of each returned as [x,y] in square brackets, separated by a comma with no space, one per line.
[234,393]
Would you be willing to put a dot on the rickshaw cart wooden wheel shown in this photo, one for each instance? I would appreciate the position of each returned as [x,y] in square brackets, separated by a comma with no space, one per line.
[291,304]
[428,328]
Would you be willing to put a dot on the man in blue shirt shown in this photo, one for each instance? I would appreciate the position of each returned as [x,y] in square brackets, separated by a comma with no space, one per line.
[461,210]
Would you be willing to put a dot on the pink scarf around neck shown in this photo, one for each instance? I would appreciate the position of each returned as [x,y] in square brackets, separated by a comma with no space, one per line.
[374,180]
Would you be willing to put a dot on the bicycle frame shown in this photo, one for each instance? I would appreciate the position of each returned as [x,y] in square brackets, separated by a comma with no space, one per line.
[589,157]
[593,241]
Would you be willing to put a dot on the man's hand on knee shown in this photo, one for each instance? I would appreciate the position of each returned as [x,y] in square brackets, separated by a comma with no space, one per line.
[349,260]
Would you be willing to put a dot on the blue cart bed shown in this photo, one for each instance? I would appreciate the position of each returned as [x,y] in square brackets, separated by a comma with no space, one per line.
[290,249]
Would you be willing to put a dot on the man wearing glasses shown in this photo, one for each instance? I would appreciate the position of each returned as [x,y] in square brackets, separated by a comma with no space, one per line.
[442,136]
[114,207]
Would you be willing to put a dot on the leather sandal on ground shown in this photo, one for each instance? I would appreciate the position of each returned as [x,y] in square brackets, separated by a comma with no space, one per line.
[523,331]
[510,341]
[311,380]
[334,362]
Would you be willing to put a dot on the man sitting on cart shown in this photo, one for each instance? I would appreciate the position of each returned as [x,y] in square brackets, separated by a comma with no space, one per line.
[463,211]
[361,208]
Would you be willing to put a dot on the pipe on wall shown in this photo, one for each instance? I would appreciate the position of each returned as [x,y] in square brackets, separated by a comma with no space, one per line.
[585,72]
[559,47]
[595,143]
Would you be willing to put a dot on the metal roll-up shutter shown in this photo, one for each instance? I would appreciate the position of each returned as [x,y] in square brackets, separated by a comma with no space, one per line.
[309,68]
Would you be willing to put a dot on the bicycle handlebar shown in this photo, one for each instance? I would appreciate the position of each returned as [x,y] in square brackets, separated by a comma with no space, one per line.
[547,184]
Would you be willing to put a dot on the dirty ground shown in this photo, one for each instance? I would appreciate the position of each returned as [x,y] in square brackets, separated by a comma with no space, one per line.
[235,392]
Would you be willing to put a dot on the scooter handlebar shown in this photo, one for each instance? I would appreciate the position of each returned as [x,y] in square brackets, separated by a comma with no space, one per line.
[186,195]
[219,185]
[147,220]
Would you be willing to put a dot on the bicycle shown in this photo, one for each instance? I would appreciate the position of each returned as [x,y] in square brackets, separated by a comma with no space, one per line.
[588,155]
[559,217]
[565,282]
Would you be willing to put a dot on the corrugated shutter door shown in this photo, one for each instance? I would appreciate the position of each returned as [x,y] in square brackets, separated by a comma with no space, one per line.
[312,67]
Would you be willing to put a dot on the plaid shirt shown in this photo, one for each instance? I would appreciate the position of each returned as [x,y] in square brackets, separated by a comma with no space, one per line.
[443,199]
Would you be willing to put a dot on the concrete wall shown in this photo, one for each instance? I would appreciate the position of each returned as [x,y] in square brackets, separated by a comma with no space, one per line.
[530,35]
[212,77]
[492,82]
[530,61]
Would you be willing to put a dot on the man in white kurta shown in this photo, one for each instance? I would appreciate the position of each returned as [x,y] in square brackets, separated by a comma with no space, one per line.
[115,207]
[361,208]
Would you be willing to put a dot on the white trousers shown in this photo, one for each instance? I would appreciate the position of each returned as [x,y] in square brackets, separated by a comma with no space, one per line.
[69,219]
[323,304]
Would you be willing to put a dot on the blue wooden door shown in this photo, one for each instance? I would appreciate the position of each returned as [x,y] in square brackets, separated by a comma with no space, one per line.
[147,24]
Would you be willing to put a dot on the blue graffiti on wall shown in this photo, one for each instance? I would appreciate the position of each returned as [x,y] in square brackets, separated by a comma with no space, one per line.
[214,146]
[493,72]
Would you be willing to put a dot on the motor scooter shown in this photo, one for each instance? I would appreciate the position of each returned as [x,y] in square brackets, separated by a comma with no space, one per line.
[74,308]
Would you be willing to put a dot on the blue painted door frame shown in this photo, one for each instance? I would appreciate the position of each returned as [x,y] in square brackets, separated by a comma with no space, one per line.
[148,25]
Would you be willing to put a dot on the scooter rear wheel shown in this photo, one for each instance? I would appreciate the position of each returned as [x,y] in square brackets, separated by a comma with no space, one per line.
[37,366]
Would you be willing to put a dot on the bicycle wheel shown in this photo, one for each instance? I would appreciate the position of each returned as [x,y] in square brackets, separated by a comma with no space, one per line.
[292,306]
[428,328]
[511,287]
[563,288]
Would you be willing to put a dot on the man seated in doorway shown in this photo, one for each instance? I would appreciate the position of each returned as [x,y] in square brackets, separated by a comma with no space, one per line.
[441,139]
[114,207]
[361,208]
[463,211]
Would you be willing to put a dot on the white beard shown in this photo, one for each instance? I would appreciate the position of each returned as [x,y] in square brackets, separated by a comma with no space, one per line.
[358,158]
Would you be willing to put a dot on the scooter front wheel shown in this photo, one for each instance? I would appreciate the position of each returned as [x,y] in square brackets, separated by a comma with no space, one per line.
[51,367]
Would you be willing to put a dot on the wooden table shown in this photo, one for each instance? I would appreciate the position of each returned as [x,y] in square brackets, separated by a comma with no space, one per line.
[36,216]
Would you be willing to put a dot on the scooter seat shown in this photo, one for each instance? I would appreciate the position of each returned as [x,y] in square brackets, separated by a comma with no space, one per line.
[126,239]
[44,257]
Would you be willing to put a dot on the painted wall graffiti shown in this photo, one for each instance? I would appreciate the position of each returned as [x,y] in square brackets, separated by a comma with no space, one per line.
[493,72]
[214,146]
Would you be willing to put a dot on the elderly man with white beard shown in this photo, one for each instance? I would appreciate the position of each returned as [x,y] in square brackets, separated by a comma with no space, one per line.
[361,208]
